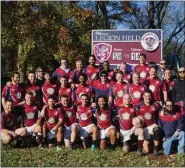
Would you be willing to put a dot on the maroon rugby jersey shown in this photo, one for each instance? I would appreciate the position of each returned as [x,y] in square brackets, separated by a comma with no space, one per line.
[35,89]
[67,91]
[16,93]
[92,74]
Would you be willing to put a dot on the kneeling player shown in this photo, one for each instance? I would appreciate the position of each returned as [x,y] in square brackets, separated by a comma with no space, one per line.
[71,127]
[32,119]
[85,114]
[10,126]
[103,116]
[126,114]
[53,119]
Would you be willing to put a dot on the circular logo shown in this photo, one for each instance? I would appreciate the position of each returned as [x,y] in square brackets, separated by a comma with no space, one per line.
[34,93]
[50,91]
[120,94]
[137,94]
[147,116]
[102,117]
[18,95]
[150,41]
[143,74]
[125,116]
[83,116]
[68,114]
[51,120]
[152,88]
[30,115]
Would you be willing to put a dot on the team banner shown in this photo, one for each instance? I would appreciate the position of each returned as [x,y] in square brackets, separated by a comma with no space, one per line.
[118,46]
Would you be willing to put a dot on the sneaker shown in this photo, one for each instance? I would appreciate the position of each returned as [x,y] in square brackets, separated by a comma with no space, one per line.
[59,148]
[139,152]
[156,153]
[93,147]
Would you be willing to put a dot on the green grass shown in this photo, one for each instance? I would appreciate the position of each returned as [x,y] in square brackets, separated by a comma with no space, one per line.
[12,157]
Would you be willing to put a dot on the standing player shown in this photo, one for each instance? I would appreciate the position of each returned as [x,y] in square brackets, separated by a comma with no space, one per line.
[106,129]
[71,127]
[85,114]
[149,112]
[157,87]
[102,86]
[31,119]
[91,70]
[65,88]
[126,114]
[118,90]
[136,89]
[126,75]
[142,68]
[39,76]
[53,120]
[10,128]
[83,88]
[49,88]
[161,69]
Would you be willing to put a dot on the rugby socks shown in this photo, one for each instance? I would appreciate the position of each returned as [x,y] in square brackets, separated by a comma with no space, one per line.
[112,147]
[156,148]
[72,145]
[40,138]
[140,144]
[93,146]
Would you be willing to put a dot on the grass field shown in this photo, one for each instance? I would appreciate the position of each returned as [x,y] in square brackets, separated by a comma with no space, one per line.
[13,157]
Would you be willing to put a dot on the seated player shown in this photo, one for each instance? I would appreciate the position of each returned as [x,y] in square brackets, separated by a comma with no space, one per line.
[126,114]
[71,127]
[85,114]
[103,115]
[53,119]
[149,111]
[10,128]
[172,125]
[31,119]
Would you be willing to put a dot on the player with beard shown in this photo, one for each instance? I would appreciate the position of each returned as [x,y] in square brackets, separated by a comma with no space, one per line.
[10,128]
[127,77]
[142,68]
[157,87]
[149,111]
[136,89]
[71,127]
[53,120]
[126,114]
[118,90]
[31,118]
[49,88]
[91,70]
[66,89]
[83,88]
[103,115]
[84,115]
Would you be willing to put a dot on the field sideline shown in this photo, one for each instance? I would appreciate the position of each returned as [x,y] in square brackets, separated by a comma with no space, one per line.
[34,157]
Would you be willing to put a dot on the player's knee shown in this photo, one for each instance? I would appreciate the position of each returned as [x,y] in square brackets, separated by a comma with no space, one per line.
[94,129]
[74,128]
[113,131]
[157,133]
[7,139]
[59,130]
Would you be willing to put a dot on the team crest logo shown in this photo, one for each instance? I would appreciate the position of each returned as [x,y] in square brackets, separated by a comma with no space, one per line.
[18,95]
[68,114]
[51,120]
[83,116]
[30,115]
[147,116]
[143,74]
[102,117]
[120,94]
[136,94]
[102,51]
[152,88]
[50,91]
[34,93]
[150,41]
[125,116]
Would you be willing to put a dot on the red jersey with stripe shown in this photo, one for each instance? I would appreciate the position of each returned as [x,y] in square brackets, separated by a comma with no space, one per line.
[73,78]
[156,86]
[69,115]
[84,115]
[52,117]
[117,91]
[143,70]
[30,113]
[67,91]
[103,118]
[127,77]
[136,93]
[92,74]
[149,113]
[35,89]
[126,114]
[83,89]
[16,93]
[6,92]
[60,72]
[48,89]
